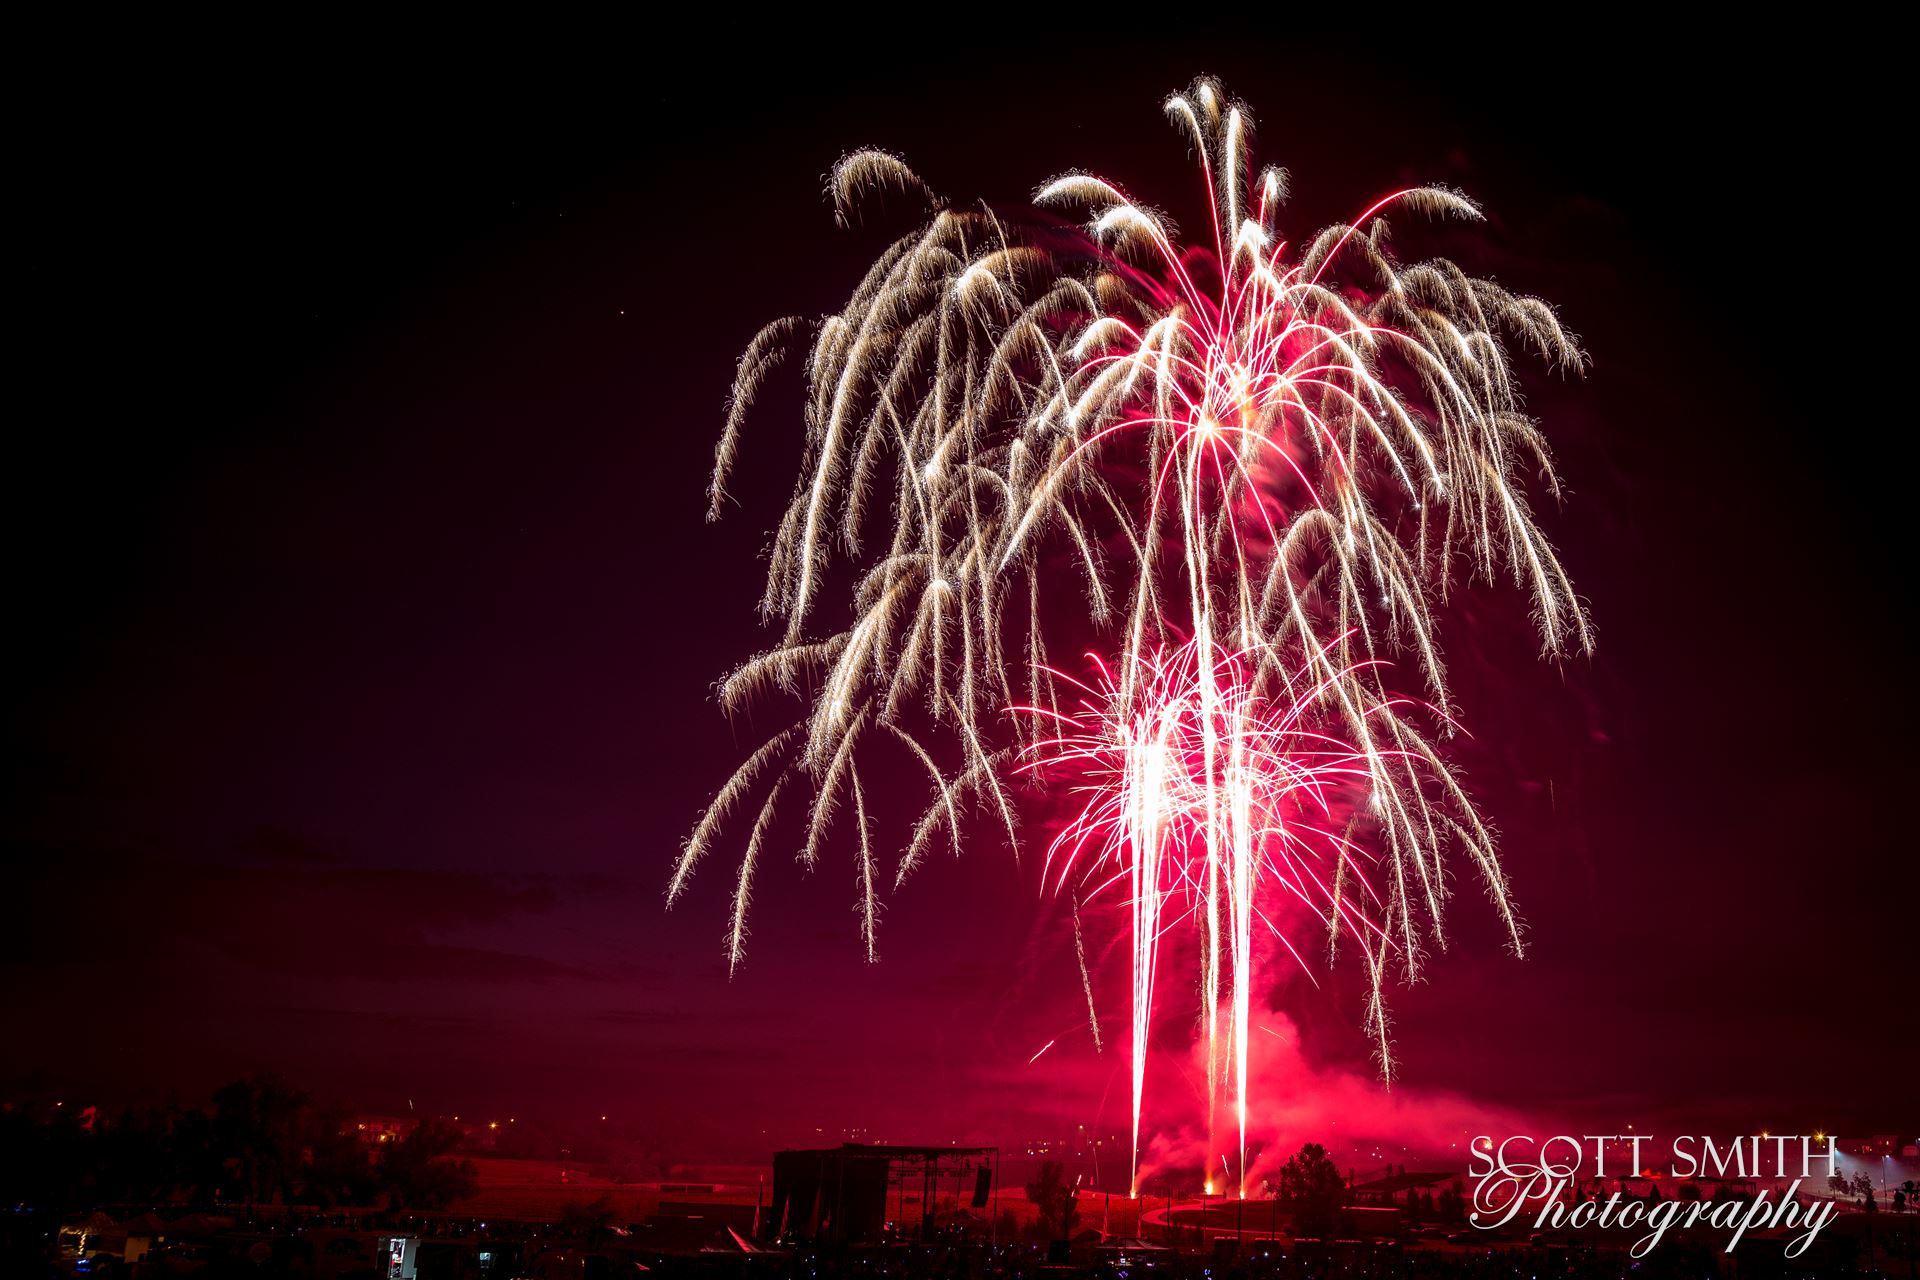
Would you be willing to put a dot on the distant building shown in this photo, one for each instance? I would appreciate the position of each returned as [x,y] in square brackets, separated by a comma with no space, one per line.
[1396,1191]
[1881,1144]
[839,1195]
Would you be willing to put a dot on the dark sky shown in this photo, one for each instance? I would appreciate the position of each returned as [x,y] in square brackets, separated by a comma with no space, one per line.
[364,617]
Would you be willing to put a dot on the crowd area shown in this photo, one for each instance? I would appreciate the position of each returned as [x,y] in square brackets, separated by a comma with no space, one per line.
[329,1247]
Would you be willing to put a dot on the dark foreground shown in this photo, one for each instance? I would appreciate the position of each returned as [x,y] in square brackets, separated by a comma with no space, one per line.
[443,1248]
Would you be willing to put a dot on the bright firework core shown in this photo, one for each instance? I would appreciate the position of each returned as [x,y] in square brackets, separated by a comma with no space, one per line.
[1207,800]
[1258,469]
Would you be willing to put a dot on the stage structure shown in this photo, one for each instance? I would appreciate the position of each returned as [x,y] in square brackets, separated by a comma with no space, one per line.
[848,1194]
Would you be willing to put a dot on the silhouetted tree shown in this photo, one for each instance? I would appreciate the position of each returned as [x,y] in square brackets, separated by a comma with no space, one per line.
[125,1161]
[418,1174]
[1053,1195]
[255,1137]
[334,1167]
[1310,1184]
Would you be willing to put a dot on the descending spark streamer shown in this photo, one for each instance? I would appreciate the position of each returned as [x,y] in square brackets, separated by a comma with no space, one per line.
[1086,979]
[1272,462]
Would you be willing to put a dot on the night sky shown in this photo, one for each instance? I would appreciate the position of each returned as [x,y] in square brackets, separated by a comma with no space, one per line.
[365,619]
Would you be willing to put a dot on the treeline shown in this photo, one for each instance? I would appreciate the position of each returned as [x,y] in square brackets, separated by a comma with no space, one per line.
[260,1142]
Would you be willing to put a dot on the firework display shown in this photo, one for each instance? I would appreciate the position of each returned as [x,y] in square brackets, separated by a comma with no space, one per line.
[1242,472]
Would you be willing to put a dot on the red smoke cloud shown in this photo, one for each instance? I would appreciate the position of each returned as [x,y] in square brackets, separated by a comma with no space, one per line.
[1294,1102]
